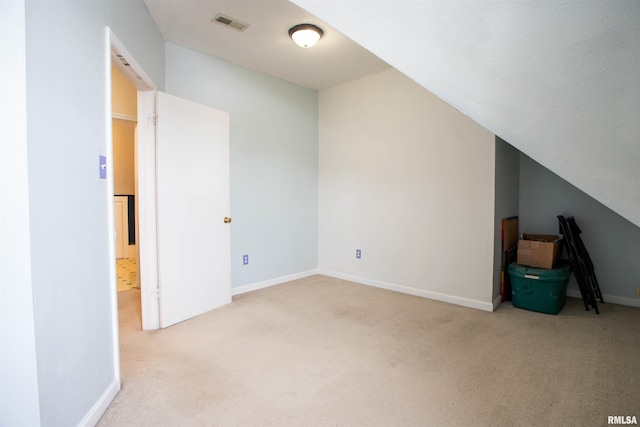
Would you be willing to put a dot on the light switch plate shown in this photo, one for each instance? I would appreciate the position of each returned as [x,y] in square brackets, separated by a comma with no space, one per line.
[102,162]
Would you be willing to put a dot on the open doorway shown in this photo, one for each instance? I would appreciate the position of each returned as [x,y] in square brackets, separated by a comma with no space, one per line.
[165,190]
[134,194]
[124,103]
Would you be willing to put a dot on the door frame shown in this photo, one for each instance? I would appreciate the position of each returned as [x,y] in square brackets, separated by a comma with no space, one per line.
[146,229]
[146,182]
[146,237]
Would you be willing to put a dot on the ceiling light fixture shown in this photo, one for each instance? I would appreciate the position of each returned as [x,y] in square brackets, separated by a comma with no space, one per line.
[305,35]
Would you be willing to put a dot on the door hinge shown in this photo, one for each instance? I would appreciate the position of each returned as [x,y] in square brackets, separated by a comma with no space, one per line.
[156,293]
[153,119]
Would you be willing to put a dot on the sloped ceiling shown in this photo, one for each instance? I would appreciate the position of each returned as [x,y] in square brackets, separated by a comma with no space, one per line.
[559,80]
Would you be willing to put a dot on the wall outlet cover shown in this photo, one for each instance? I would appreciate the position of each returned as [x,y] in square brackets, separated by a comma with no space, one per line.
[358,253]
[245,259]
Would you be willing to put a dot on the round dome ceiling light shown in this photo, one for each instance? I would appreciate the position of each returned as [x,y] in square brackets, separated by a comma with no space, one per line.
[305,35]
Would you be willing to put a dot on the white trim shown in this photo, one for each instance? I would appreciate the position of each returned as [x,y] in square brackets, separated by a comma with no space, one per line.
[126,117]
[272,282]
[465,302]
[93,416]
[608,299]
[108,143]
[146,227]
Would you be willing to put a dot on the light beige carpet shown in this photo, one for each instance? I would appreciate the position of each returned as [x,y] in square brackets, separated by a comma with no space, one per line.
[326,352]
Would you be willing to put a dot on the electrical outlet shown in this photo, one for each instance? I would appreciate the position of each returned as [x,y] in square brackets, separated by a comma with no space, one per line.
[358,253]
[637,293]
[245,259]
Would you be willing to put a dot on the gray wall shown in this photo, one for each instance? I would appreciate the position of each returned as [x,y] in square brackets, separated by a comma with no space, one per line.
[19,403]
[612,241]
[133,26]
[506,199]
[67,119]
[274,161]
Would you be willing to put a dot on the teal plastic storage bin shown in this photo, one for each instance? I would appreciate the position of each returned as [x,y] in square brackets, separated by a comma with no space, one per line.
[539,289]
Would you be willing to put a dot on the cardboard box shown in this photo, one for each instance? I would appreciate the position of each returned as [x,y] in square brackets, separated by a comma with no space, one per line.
[539,250]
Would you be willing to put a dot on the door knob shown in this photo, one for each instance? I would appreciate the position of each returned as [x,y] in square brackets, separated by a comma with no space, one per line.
[227,220]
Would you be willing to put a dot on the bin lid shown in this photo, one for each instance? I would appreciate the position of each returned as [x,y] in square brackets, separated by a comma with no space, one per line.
[561,272]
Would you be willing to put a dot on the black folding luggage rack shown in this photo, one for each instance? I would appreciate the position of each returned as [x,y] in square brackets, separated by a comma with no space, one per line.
[581,263]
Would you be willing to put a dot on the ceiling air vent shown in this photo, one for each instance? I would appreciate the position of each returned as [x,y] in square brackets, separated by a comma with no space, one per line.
[230,22]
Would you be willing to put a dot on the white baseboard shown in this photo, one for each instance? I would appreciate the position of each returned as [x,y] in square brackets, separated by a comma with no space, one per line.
[272,282]
[101,405]
[465,302]
[575,293]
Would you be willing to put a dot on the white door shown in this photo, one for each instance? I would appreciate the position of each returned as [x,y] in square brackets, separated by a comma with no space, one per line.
[194,264]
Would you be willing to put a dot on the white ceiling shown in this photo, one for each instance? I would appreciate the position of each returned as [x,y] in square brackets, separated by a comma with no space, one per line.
[265,45]
[558,79]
